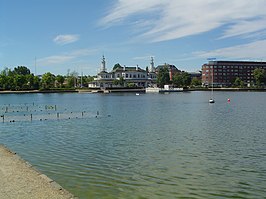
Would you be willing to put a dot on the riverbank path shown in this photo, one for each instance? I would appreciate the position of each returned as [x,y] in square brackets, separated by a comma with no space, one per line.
[19,180]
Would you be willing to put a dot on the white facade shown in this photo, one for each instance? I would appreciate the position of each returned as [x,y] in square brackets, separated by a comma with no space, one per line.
[123,77]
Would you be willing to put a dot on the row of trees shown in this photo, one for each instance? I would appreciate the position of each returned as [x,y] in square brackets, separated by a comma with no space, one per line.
[18,79]
[22,79]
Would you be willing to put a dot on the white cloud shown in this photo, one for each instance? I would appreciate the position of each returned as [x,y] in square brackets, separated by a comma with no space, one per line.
[125,8]
[65,39]
[55,59]
[66,57]
[246,27]
[253,50]
[170,19]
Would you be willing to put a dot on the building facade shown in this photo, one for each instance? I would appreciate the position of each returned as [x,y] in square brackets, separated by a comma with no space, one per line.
[224,73]
[124,76]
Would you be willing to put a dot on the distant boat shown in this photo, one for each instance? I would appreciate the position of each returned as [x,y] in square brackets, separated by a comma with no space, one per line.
[211,100]
[137,93]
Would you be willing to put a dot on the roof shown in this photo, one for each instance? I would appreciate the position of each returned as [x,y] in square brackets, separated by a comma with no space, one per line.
[128,69]
[169,66]
[103,72]
[236,62]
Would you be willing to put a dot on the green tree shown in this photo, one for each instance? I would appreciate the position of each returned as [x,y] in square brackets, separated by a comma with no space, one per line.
[3,77]
[71,79]
[163,77]
[90,79]
[30,81]
[18,79]
[186,79]
[259,76]
[36,83]
[131,85]
[21,70]
[60,80]
[238,83]
[48,80]
[181,79]
[177,80]
[195,82]
[20,82]
[7,80]
[116,82]
[119,81]
[86,80]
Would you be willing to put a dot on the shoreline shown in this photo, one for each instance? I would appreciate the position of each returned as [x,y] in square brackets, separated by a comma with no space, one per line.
[214,89]
[37,91]
[19,179]
[230,89]
[140,90]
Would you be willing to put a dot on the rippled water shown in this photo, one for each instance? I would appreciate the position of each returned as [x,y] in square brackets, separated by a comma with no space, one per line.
[148,146]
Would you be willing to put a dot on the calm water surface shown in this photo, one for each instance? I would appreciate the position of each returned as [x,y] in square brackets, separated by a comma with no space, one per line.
[148,146]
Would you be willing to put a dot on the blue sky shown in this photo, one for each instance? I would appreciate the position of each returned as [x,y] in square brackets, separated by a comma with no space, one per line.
[74,34]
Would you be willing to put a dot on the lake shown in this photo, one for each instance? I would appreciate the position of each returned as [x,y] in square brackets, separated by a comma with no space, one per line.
[172,145]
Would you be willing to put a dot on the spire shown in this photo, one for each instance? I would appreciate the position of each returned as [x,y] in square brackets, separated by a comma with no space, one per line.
[103,68]
[152,69]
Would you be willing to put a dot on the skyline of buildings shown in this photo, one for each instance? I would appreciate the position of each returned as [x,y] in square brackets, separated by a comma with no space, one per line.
[217,73]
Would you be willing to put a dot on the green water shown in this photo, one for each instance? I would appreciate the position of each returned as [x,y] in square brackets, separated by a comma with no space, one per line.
[148,146]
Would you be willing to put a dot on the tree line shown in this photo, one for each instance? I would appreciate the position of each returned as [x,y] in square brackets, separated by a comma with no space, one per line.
[21,78]
[180,80]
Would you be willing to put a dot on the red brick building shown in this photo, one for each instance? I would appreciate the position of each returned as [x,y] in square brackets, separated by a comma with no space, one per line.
[223,73]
